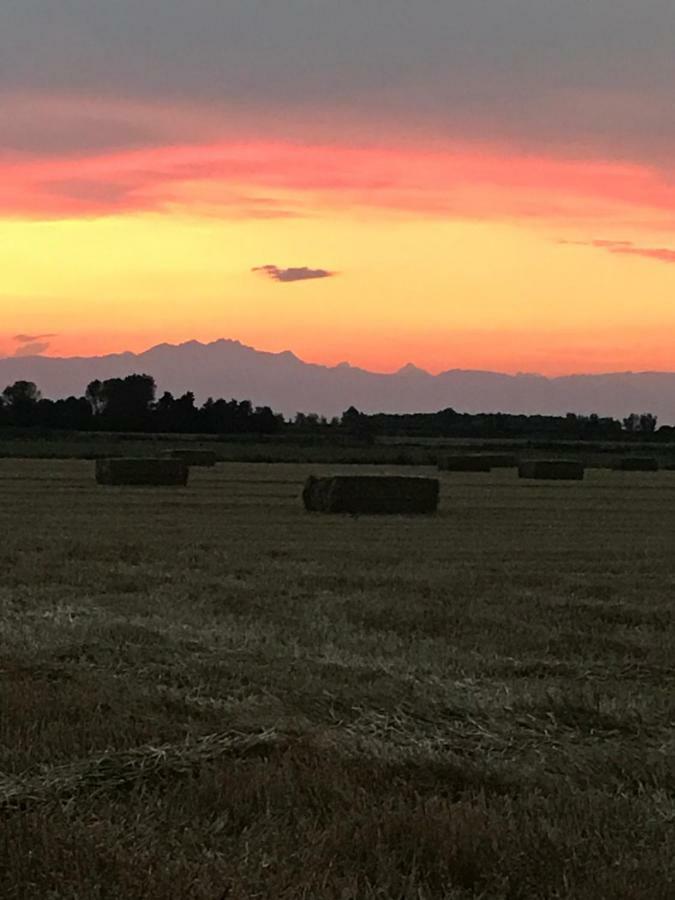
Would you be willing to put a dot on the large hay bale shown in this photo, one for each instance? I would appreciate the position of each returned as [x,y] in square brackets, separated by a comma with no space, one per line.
[371,494]
[169,472]
[552,469]
[472,463]
[192,456]
[636,464]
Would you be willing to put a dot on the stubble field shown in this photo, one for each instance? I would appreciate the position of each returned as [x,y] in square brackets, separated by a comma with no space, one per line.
[208,694]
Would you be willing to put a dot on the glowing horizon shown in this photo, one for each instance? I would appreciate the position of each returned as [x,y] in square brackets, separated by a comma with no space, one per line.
[449,259]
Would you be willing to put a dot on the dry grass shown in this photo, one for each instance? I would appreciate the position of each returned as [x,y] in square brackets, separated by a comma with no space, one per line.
[637,464]
[143,471]
[552,469]
[192,456]
[209,694]
[371,494]
[475,462]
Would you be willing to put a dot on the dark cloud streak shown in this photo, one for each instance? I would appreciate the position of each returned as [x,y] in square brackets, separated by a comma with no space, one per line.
[32,344]
[301,273]
[31,338]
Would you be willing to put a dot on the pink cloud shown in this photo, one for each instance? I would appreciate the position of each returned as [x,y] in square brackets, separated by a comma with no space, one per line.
[248,177]
[628,248]
[661,254]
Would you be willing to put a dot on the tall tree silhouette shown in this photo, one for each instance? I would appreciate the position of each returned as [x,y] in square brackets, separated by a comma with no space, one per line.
[123,403]
[21,402]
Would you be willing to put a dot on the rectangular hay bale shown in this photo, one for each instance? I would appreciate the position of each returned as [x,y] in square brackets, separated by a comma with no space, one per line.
[471,463]
[552,469]
[636,464]
[164,472]
[371,494]
[192,456]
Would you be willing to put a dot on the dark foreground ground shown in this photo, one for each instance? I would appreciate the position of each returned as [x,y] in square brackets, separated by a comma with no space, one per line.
[207,694]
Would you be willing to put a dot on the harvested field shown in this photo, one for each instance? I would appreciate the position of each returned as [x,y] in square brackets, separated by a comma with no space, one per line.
[500,460]
[277,449]
[552,469]
[142,472]
[371,494]
[637,464]
[472,463]
[193,456]
[211,695]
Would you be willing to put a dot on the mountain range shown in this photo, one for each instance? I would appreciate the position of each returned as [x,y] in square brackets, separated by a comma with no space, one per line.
[227,368]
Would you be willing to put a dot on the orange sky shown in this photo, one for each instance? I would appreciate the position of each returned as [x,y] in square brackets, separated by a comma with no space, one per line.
[447,254]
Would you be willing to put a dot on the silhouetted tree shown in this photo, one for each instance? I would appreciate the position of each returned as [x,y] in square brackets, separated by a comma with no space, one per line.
[631,423]
[72,414]
[350,418]
[358,425]
[21,403]
[123,403]
[642,424]
[94,395]
[265,421]
[176,414]
[648,423]
[163,413]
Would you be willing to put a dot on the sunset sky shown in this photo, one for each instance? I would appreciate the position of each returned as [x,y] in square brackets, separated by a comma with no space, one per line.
[468,184]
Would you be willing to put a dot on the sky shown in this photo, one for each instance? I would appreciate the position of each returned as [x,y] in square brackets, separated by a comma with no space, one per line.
[471,184]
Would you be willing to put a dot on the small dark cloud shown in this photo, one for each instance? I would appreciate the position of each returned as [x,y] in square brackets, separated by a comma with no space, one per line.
[301,273]
[32,344]
[32,349]
[628,248]
[31,338]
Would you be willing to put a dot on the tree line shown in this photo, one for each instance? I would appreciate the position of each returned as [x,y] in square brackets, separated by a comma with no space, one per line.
[450,423]
[131,405]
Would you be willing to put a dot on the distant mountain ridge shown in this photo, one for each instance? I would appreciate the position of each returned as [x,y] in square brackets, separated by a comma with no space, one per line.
[228,368]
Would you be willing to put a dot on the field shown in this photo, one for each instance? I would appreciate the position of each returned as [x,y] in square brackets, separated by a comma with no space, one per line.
[318,448]
[208,694]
